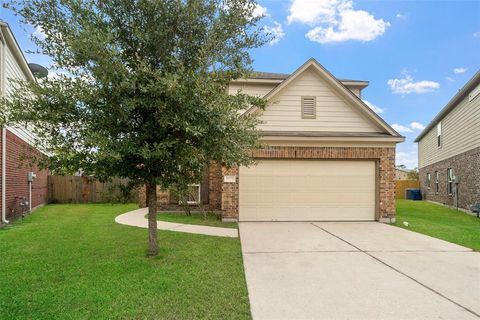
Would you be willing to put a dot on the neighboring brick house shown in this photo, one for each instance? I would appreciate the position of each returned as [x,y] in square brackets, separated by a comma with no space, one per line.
[328,156]
[16,142]
[449,150]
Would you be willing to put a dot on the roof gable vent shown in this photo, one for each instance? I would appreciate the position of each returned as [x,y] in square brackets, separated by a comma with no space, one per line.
[309,107]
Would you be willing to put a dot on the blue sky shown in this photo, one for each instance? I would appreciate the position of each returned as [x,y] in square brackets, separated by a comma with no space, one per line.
[416,54]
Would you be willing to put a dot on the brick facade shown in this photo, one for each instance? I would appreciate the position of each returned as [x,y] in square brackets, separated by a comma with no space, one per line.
[224,195]
[385,158]
[230,194]
[16,177]
[212,202]
[466,167]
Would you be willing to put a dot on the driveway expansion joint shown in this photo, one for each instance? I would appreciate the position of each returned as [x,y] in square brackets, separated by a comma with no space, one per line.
[400,272]
[290,252]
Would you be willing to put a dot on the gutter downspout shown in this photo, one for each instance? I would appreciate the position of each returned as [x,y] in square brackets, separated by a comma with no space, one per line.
[4,174]
[4,130]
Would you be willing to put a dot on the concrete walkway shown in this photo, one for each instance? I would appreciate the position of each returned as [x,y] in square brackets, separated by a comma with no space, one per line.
[302,270]
[137,218]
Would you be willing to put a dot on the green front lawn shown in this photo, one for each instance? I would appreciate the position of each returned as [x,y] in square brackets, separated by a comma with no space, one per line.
[74,262]
[207,219]
[440,222]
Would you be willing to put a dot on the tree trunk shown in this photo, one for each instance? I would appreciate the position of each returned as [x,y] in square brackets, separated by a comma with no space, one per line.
[152,219]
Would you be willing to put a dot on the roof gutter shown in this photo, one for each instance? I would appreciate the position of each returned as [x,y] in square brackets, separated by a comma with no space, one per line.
[472,83]
[330,136]
[349,83]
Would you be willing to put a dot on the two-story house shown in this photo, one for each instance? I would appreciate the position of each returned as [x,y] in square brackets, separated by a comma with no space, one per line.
[449,150]
[327,155]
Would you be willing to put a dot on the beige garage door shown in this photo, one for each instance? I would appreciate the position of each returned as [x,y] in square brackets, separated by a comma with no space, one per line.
[307,190]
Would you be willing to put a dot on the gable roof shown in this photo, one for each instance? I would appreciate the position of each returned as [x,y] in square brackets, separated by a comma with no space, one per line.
[469,86]
[340,88]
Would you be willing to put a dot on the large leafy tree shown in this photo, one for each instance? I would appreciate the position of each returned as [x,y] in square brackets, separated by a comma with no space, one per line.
[141,89]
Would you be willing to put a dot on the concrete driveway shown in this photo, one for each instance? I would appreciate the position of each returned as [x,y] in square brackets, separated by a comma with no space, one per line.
[364,270]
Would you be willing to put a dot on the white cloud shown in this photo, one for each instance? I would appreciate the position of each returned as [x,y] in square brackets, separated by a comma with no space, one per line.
[450,79]
[55,74]
[417,125]
[335,21]
[410,128]
[459,70]
[401,16]
[408,158]
[39,33]
[406,84]
[276,31]
[315,11]
[400,128]
[476,34]
[259,11]
[375,108]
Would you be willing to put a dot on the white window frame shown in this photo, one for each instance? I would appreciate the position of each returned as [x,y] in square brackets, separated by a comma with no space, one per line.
[439,134]
[437,182]
[450,181]
[199,193]
[428,180]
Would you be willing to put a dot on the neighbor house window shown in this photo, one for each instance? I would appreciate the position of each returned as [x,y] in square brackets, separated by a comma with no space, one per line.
[439,134]
[437,179]
[428,180]
[309,107]
[450,179]
[193,195]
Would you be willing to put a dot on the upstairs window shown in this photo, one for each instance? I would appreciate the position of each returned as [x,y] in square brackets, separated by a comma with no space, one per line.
[437,180]
[428,180]
[309,107]
[439,134]
[450,180]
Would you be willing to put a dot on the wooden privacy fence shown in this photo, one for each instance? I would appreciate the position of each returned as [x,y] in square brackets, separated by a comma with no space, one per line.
[401,185]
[75,189]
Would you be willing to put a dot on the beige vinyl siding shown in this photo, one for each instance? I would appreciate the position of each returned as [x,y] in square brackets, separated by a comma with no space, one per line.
[13,70]
[253,89]
[261,89]
[460,133]
[283,112]
[2,65]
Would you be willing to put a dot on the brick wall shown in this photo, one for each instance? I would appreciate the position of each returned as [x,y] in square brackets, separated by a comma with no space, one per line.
[16,176]
[466,166]
[224,195]
[163,197]
[384,156]
[230,195]
[215,186]
[165,200]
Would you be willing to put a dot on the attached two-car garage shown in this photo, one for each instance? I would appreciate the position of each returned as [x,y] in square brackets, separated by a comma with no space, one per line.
[307,190]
